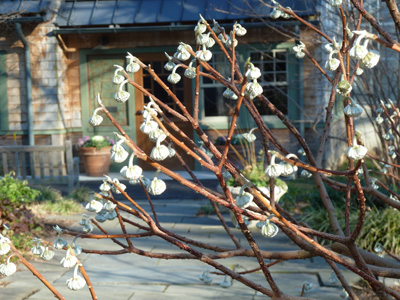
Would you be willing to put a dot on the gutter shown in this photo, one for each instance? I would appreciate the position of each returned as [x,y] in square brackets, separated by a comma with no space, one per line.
[28,80]
[117,29]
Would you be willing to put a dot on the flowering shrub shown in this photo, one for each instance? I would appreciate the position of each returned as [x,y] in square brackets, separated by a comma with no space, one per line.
[97,141]
[345,61]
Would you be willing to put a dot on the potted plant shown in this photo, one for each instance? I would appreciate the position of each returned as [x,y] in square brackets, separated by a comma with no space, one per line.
[95,154]
[253,168]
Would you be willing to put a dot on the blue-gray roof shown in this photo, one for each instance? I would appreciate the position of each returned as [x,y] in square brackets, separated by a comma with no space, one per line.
[23,7]
[77,13]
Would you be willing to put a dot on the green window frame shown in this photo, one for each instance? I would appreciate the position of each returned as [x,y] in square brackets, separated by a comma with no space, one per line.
[279,76]
[4,126]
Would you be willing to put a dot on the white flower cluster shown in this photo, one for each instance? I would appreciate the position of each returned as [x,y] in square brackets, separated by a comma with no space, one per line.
[253,88]
[43,251]
[277,12]
[285,169]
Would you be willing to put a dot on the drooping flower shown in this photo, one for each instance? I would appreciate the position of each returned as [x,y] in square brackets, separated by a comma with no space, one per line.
[371,59]
[159,152]
[190,72]
[105,187]
[230,41]
[210,42]
[353,109]
[273,170]
[69,260]
[8,268]
[359,71]
[118,152]
[101,216]
[240,30]
[117,184]
[228,93]
[148,126]
[275,13]
[202,39]
[334,46]
[388,136]
[4,245]
[301,152]
[133,65]
[249,136]
[299,50]
[121,95]
[205,277]
[226,175]
[253,72]
[336,3]
[374,184]
[356,152]
[379,119]
[86,225]
[174,77]
[170,64]
[131,172]
[288,169]
[269,229]
[343,87]
[344,294]
[216,27]
[392,151]
[156,186]
[77,249]
[38,249]
[222,38]
[156,134]
[47,254]
[253,90]
[118,78]
[182,53]
[95,119]
[94,205]
[59,243]
[77,282]
[244,199]
[225,283]
[307,286]
[172,151]
[200,27]
[359,51]
[305,174]
[332,63]
[204,54]
[333,278]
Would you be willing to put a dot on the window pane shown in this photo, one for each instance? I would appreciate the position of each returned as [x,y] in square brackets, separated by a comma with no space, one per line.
[215,104]
[277,96]
[273,66]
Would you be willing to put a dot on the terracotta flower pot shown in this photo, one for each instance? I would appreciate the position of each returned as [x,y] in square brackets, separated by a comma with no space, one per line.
[96,162]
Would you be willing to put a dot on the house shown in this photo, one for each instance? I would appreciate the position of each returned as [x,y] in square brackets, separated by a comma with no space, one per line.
[55,56]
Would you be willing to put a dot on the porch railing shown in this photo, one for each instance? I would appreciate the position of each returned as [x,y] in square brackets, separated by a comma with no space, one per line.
[46,164]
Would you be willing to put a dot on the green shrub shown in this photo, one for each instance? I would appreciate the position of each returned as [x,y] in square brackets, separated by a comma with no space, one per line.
[61,207]
[80,194]
[381,226]
[14,196]
[48,193]
[17,192]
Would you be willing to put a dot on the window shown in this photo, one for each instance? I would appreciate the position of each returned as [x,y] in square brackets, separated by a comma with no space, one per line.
[153,87]
[216,108]
[273,67]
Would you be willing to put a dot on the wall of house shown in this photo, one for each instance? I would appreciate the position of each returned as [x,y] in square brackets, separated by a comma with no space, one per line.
[54,117]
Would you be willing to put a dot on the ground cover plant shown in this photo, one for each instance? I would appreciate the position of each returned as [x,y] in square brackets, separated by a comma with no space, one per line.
[349,51]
